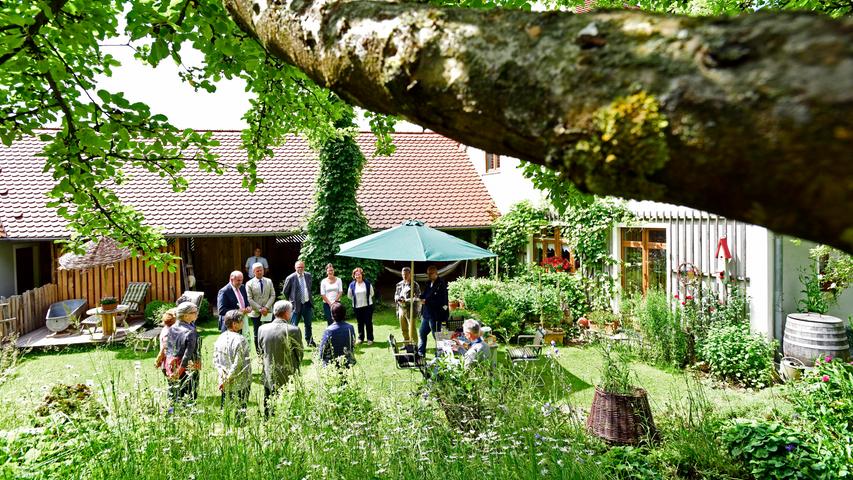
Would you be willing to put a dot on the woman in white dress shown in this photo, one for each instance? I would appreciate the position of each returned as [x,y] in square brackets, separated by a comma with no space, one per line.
[331,289]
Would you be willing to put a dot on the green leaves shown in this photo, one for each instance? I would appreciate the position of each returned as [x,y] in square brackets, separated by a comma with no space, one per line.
[512,232]
[337,218]
[51,57]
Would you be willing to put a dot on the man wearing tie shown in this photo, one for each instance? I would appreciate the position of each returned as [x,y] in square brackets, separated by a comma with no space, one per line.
[261,295]
[297,289]
[232,297]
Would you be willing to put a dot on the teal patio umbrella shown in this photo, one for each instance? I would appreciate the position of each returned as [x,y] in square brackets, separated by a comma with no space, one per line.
[413,241]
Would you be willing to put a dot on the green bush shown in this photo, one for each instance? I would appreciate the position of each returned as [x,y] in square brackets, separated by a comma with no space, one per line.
[665,342]
[571,287]
[824,400]
[505,306]
[736,355]
[154,311]
[205,314]
[771,450]
[629,463]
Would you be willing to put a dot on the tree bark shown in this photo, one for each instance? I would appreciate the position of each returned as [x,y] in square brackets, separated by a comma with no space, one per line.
[750,117]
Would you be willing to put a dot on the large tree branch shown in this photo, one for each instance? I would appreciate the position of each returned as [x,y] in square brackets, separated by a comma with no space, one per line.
[750,117]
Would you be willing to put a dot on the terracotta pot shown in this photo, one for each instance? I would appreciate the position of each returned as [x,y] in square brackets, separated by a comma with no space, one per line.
[453,305]
[109,307]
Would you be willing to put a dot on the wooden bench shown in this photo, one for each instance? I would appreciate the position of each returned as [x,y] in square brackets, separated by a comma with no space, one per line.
[147,339]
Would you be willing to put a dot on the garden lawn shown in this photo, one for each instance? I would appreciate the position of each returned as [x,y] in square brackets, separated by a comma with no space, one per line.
[119,369]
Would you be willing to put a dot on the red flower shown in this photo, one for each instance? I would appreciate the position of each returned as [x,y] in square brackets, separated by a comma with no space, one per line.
[676,295]
[556,264]
[825,378]
[689,297]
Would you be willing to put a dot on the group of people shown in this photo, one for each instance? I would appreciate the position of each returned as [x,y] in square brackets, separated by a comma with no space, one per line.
[278,340]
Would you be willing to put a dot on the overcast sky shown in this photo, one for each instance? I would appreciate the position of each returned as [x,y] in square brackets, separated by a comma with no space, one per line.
[162,89]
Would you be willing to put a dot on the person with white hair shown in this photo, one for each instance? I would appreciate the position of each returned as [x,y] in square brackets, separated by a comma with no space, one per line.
[232,362]
[261,294]
[185,362]
[281,349]
[476,349]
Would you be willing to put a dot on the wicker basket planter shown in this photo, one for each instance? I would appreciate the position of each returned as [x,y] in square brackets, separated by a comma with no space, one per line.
[621,419]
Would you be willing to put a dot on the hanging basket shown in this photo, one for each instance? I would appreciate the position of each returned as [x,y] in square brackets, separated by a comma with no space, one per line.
[621,419]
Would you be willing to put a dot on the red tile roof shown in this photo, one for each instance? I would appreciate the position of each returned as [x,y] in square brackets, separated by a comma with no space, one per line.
[429,177]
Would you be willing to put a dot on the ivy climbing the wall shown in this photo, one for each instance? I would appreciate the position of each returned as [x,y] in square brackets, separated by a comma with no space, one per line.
[337,217]
[512,233]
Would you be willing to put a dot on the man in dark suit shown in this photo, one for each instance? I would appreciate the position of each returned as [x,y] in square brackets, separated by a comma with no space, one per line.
[434,311]
[232,297]
[297,289]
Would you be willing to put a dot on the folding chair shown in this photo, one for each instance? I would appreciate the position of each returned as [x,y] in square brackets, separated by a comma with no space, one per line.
[408,358]
[133,298]
[531,351]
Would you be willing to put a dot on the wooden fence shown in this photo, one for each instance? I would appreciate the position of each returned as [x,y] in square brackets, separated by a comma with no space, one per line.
[26,311]
[112,280]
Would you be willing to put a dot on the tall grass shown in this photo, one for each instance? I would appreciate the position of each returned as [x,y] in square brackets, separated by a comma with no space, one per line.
[325,425]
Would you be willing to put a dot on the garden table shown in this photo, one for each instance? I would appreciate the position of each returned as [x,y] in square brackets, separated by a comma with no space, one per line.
[108,319]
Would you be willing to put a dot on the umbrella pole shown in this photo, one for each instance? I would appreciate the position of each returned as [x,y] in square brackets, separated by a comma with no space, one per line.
[412,300]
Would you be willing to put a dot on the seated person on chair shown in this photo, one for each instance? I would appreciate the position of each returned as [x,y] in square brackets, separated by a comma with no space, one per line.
[475,350]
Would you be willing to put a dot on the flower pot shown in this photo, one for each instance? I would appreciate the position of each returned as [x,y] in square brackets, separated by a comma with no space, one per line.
[109,307]
[453,305]
[621,419]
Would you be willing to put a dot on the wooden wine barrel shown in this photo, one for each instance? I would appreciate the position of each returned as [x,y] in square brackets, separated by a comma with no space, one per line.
[809,336]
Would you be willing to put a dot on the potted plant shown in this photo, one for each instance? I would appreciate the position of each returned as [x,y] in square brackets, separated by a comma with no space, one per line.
[109,303]
[461,314]
[620,411]
[603,321]
[454,304]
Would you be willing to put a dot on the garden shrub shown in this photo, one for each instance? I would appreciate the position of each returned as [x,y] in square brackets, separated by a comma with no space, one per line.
[154,311]
[736,355]
[823,398]
[571,287]
[771,450]
[505,306]
[205,314]
[629,463]
[665,342]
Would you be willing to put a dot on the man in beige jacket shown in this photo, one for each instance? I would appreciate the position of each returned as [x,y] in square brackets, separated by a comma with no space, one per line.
[261,294]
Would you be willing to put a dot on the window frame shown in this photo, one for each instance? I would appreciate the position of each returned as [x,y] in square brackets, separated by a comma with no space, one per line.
[645,246]
[543,240]
[493,162]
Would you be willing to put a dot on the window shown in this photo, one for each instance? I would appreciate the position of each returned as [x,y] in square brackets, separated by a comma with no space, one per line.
[549,244]
[643,259]
[493,162]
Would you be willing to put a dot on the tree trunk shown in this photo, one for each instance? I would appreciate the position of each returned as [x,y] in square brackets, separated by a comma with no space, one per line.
[750,117]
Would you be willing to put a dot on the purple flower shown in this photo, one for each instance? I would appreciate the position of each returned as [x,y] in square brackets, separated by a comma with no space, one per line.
[790,447]
[825,378]
[827,359]
[537,437]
